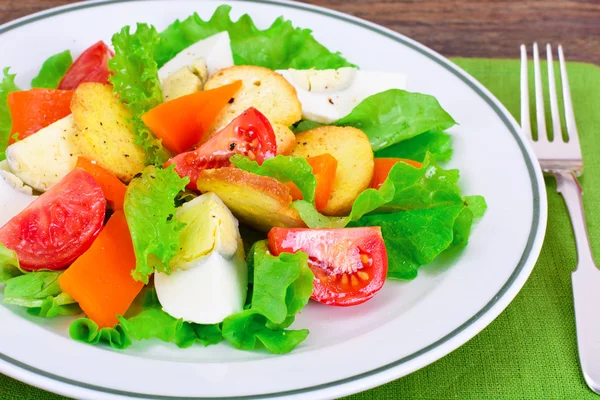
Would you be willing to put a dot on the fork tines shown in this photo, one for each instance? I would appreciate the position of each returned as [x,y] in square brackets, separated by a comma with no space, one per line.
[557,151]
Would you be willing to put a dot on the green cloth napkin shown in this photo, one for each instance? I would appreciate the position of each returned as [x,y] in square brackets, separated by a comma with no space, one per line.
[529,351]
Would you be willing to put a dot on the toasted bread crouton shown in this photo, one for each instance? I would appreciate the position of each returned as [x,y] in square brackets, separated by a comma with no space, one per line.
[352,150]
[286,140]
[258,201]
[104,132]
[263,89]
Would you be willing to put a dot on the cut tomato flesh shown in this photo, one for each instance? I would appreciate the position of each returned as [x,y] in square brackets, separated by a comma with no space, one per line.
[90,66]
[58,226]
[249,134]
[349,264]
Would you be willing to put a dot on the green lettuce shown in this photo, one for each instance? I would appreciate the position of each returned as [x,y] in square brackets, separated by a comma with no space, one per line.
[150,211]
[9,264]
[281,46]
[7,85]
[145,320]
[40,292]
[416,237]
[395,115]
[436,142]
[281,287]
[392,116]
[284,169]
[87,331]
[405,188]
[53,70]
[135,81]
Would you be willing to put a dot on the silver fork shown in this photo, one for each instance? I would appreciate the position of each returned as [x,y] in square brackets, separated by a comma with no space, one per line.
[563,160]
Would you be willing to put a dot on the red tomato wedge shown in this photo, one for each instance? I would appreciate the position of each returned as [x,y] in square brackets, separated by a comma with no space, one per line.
[383,167]
[182,122]
[324,168]
[58,226]
[350,264]
[250,134]
[35,109]
[90,66]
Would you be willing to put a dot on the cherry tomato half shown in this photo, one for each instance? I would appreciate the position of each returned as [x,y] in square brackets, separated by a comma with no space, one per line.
[250,134]
[350,264]
[90,66]
[58,226]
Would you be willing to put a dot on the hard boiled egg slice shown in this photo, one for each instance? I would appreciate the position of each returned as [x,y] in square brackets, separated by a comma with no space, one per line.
[328,95]
[44,158]
[210,277]
[187,72]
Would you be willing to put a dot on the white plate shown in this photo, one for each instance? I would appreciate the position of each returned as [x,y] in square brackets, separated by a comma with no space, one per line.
[407,326]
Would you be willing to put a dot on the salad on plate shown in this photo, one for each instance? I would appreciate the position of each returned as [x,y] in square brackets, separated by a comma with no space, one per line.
[203,183]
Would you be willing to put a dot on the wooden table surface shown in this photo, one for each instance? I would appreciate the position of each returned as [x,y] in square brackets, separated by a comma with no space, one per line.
[467,28]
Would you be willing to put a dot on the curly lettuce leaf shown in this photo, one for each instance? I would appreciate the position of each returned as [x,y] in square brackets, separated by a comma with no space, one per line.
[281,287]
[7,85]
[150,211]
[436,142]
[40,292]
[281,46]
[416,237]
[135,81]
[284,169]
[87,331]
[395,115]
[53,70]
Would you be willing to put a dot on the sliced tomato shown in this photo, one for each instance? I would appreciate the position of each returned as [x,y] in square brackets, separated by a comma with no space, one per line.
[90,66]
[58,226]
[383,167]
[250,134]
[350,264]
[182,122]
[34,109]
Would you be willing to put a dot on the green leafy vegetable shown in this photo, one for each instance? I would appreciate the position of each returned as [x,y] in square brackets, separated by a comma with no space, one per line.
[53,70]
[85,330]
[7,85]
[136,83]
[281,288]
[284,169]
[395,115]
[281,46]
[416,237]
[151,323]
[477,205]
[150,211]
[9,264]
[436,142]
[41,294]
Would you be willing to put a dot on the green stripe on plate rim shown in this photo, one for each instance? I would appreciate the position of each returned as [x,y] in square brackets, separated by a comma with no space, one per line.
[434,57]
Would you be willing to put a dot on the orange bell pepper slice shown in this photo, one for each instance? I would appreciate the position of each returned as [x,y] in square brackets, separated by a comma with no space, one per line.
[383,167]
[35,109]
[182,122]
[113,188]
[100,279]
[324,168]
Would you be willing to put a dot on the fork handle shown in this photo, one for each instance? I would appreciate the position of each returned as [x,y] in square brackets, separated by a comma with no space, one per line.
[586,284]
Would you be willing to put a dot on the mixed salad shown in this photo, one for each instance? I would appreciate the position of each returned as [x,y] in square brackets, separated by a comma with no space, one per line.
[202,183]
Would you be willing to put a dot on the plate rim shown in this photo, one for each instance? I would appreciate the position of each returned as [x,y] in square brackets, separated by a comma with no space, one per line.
[477,322]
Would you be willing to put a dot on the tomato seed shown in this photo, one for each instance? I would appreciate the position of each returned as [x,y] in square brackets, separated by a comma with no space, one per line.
[344,279]
[354,280]
[363,275]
